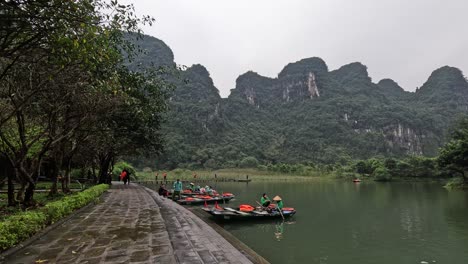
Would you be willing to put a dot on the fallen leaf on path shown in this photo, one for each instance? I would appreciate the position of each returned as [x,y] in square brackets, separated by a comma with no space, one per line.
[73,252]
[41,261]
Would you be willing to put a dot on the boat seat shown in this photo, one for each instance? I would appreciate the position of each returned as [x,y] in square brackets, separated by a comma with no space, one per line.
[236,211]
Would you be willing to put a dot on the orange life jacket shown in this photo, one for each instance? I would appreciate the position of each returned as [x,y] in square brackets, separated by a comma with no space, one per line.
[246,208]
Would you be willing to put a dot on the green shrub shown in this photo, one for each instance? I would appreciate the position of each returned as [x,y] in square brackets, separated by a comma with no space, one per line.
[121,165]
[180,173]
[22,225]
[455,183]
[77,173]
[211,164]
[382,174]
[248,162]
[147,169]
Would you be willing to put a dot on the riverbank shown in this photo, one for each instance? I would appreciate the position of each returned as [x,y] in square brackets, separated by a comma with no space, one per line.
[187,228]
[229,174]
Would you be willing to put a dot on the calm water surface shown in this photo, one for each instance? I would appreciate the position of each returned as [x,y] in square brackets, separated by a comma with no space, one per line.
[344,222]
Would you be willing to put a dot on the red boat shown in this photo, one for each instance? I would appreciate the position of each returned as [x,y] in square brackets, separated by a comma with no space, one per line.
[205,199]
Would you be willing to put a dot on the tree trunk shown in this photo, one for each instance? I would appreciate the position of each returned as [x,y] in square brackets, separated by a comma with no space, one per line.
[20,193]
[28,196]
[94,175]
[104,168]
[11,191]
[53,175]
[67,180]
[29,183]
[62,183]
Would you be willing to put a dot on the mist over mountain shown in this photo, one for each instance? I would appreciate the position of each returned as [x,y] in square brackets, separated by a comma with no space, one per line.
[306,114]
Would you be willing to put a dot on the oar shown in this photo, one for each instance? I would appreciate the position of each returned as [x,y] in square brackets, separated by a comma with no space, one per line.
[261,205]
[281,212]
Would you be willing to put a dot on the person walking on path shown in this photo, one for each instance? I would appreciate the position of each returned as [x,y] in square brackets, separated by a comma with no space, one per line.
[177,189]
[123,176]
[165,177]
[127,177]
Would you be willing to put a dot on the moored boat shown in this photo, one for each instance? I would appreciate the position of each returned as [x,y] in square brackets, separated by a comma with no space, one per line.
[202,199]
[190,193]
[248,212]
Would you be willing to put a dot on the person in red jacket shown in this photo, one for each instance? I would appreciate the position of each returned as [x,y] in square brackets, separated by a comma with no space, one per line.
[123,174]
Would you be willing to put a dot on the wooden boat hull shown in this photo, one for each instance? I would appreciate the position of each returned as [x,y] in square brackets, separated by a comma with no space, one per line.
[189,193]
[198,201]
[243,180]
[225,214]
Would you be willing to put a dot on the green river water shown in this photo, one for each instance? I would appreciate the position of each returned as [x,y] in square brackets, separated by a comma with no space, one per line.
[344,222]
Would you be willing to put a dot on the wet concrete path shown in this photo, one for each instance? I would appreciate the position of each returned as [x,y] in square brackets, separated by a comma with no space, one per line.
[128,227]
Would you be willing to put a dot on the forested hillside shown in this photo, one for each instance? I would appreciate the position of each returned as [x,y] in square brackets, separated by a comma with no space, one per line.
[307,114]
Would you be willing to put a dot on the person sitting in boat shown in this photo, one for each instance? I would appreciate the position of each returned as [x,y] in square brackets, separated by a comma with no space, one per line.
[191,186]
[279,202]
[162,190]
[197,188]
[265,201]
[208,190]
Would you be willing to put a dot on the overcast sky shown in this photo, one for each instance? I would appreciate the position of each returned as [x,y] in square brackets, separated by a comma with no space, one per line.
[404,40]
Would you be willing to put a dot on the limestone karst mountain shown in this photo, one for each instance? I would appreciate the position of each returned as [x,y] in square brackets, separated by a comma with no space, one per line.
[307,114]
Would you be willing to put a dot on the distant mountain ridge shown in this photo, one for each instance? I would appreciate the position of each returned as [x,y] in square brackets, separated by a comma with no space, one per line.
[306,114]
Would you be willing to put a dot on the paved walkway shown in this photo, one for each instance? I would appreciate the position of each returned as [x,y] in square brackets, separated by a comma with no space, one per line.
[128,227]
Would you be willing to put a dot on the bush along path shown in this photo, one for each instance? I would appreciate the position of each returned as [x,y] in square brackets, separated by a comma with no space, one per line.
[22,225]
[127,227]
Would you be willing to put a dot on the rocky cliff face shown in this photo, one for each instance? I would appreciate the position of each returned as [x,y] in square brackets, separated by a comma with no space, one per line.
[309,113]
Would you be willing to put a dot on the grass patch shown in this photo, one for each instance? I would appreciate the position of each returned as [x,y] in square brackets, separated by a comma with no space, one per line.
[40,198]
[22,225]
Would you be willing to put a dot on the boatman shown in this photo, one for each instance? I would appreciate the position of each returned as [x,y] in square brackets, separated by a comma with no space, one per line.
[279,202]
[265,201]
[177,189]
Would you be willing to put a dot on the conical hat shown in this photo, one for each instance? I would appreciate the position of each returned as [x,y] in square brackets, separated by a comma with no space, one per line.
[277,198]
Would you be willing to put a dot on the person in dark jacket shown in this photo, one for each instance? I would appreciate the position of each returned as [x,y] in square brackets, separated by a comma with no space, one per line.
[162,190]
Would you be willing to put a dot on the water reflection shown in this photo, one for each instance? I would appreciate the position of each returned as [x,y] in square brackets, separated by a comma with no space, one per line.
[277,228]
[279,231]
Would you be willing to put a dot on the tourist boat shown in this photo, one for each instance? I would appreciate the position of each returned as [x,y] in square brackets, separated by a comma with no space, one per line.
[206,199]
[356,180]
[190,193]
[246,212]
[243,180]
